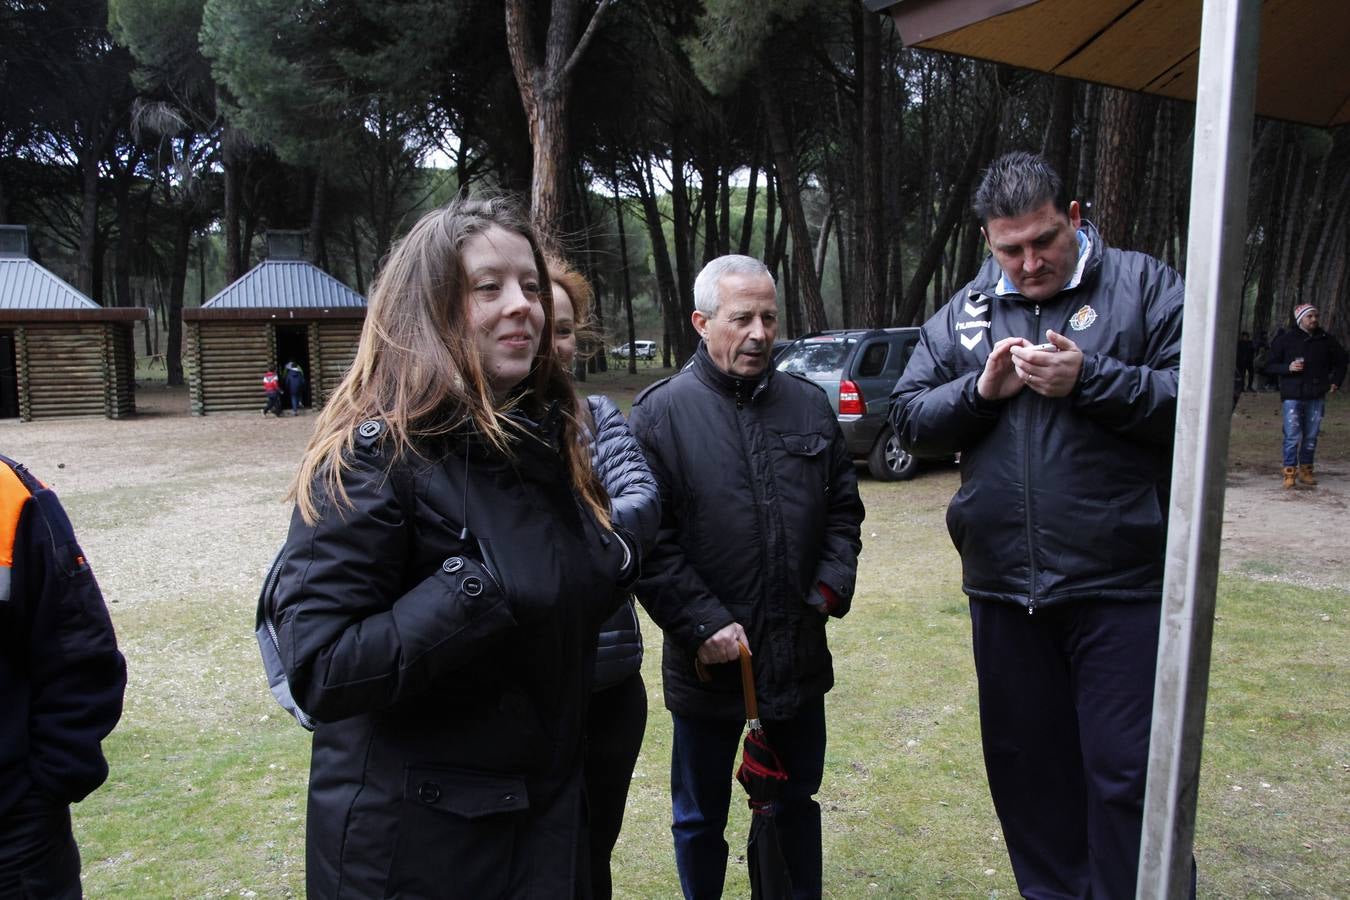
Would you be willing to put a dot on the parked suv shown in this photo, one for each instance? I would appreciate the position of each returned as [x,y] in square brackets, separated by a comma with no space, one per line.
[645,350]
[858,370]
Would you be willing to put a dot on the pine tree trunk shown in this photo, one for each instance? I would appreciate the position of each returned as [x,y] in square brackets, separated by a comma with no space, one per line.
[627,286]
[84,273]
[544,82]
[1057,142]
[1121,140]
[182,241]
[317,213]
[804,276]
[230,164]
[872,253]
[748,222]
[681,331]
[679,198]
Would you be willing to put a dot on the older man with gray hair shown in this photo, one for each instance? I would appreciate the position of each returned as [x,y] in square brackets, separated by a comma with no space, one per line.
[758,545]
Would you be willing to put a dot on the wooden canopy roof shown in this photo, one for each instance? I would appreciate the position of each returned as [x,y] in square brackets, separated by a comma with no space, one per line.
[1151,46]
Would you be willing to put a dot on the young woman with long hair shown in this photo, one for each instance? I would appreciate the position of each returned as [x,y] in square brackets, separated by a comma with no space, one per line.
[449,561]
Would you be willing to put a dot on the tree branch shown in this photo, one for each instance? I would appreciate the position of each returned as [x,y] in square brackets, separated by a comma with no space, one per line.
[582,44]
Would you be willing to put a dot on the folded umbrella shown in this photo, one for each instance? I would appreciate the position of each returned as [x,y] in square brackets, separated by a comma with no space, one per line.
[762,775]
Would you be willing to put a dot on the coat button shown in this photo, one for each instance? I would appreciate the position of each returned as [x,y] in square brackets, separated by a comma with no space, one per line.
[428,792]
[453,564]
[702,629]
[472,586]
[508,798]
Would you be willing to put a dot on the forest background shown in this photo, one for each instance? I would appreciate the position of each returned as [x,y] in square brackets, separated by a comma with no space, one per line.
[149,145]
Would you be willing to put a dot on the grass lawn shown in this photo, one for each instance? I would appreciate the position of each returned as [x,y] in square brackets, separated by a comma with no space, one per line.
[206,798]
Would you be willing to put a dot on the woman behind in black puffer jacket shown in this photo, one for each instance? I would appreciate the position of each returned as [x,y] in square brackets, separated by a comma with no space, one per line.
[618,711]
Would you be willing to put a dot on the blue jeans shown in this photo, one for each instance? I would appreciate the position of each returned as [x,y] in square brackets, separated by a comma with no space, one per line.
[1302,422]
[704,755]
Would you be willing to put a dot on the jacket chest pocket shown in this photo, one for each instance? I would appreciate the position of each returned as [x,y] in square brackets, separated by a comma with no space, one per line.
[802,452]
[801,464]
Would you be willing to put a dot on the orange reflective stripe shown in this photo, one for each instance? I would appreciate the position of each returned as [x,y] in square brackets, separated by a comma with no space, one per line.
[13,495]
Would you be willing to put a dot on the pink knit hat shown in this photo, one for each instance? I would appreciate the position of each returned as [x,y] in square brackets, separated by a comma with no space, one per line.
[1302,310]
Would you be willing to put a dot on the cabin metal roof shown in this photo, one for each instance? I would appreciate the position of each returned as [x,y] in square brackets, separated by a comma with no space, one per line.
[286,284]
[26,285]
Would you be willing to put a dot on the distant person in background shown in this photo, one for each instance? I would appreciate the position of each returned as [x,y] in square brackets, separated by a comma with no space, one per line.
[1246,359]
[61,686]
[272,388]
[618,712]
[1310,364]
[295,385]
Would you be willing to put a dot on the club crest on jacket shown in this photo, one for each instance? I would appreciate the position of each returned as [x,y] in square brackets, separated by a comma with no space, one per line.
[1083,319]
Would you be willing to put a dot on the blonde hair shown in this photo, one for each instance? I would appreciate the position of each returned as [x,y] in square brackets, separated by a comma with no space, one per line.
[418,368]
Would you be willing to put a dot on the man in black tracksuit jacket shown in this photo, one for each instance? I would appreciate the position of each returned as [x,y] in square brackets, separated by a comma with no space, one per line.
[61,685]
[759,541]
[1060,519]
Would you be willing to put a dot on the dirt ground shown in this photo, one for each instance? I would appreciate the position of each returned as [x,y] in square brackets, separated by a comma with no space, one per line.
[165,502]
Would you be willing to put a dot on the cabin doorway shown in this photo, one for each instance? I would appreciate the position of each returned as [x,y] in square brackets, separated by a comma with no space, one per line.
[293,346]
[9,377]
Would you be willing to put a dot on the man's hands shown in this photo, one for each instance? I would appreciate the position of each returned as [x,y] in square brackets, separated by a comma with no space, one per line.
[999,379]
[1013,363]
[721,647]
[1050,373]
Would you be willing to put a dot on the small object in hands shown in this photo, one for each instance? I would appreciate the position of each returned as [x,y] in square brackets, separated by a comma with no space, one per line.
[1048,348]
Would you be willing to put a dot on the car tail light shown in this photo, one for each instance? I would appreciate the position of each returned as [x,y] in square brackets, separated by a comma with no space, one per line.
[850,399]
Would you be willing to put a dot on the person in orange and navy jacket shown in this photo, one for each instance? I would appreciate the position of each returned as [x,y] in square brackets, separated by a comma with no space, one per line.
[61,685]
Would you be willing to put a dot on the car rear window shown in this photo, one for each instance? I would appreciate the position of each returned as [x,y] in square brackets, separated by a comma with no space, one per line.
[816,359]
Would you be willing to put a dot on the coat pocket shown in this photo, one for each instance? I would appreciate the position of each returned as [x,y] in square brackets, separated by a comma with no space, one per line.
[808,444]
[458,833]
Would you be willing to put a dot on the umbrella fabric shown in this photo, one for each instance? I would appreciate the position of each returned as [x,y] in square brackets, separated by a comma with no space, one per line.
[762,775]
[761,772]
[764,857]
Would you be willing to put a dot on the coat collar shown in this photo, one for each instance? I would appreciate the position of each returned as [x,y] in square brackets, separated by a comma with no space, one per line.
[741,389]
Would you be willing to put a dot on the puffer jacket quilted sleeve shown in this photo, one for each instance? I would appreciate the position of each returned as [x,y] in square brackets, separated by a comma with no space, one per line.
[618,460]
[635,504]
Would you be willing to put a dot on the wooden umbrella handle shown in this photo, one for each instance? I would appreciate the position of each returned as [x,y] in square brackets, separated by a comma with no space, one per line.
[748,683]
[747,680]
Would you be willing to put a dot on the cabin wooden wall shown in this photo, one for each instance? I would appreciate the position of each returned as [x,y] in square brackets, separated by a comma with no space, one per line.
[75,369]
[332,348]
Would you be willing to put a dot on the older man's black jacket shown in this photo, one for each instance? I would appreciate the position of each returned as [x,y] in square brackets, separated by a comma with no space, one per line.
[759,504]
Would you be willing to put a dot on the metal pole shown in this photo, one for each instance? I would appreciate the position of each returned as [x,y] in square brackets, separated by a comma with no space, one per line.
[1225,95]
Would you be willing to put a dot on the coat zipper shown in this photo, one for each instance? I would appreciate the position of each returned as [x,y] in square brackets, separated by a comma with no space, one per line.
[1026,496]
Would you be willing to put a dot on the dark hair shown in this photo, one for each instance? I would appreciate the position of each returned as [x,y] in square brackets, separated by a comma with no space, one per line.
[1017,183]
